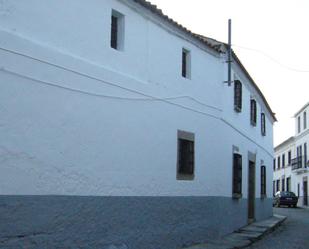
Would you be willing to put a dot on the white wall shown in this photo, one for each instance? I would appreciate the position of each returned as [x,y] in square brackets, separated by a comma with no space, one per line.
[62,132]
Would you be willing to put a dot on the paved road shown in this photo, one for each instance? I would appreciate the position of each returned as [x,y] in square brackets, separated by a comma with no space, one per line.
[293,234]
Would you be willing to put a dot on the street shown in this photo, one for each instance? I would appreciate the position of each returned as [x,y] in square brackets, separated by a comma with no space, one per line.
[293,234]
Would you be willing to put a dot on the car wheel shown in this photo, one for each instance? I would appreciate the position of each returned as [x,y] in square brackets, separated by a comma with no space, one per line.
[295,206]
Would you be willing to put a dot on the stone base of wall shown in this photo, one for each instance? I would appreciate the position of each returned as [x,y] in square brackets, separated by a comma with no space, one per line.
[119,222]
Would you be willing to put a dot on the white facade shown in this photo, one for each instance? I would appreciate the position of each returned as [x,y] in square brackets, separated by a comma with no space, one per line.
[80,118]
[295,168]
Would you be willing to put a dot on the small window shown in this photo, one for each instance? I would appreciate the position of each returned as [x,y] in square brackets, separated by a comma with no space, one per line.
[305,120]
[289,157]
[237,96]
[117,30]
[274,166]
[283,160]
[253,112]
[263,124]
[237,175]
[278,185]
[278,162]
[185,165]
[288,184]
[186,63]
[263,181]
[298,124]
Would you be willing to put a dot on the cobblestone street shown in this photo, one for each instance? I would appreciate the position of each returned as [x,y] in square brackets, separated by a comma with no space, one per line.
[293,234]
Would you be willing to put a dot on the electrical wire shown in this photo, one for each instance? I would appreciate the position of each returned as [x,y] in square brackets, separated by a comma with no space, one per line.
[272,59]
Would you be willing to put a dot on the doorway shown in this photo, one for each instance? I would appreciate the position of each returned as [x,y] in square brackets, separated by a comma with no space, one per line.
[251,192]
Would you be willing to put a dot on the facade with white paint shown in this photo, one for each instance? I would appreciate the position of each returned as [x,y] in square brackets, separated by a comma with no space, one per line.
[114,101]
[291,160]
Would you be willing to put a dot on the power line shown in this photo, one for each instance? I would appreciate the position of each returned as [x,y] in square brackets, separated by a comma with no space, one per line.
[273,59]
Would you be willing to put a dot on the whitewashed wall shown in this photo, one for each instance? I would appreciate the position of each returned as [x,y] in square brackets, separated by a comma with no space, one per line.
[73,121]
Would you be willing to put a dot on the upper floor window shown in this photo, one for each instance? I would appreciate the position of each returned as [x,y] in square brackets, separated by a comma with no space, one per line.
[185,165]
[186,64]
[263,124]
[263,181]
[253,112]
[305,120]
[278,162]
[289,157]
[274,166]
[237,175]
[237,96]
[298,124]
[117,30]
[283,160]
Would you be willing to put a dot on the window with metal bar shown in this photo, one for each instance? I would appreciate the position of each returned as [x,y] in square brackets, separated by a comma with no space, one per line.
[253,112]
[237,175]
[185,165]
[237,96]
[263,181]
[263,124]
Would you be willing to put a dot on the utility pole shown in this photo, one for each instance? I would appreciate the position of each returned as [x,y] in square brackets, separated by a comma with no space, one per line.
[229,61]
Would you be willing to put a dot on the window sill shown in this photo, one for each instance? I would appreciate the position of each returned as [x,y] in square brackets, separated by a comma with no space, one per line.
[236,196]
[183,177]
[263,196]
[237,109]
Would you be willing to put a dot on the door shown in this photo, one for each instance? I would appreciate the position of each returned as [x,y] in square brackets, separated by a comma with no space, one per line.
[305,185]
[251,192]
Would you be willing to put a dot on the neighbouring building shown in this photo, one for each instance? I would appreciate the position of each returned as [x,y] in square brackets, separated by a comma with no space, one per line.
[291,162]
[118,129]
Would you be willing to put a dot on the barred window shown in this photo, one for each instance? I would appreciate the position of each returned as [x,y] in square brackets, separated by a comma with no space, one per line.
[185,165]
[263,124]
[263,181]
[253,112]
[237,96]
[237,175]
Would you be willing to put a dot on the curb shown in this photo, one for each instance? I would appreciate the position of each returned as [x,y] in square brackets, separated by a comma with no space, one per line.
[245,236]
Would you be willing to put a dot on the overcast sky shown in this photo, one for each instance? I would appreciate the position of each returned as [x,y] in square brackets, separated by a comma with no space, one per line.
[275,34]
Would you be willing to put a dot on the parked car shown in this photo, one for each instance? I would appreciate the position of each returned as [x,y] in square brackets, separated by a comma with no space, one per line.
[285,198]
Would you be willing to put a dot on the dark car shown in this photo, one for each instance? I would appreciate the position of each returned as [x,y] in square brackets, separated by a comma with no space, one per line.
[285,198]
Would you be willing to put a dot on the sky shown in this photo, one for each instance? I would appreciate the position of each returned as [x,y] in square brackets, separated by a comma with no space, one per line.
[271,38]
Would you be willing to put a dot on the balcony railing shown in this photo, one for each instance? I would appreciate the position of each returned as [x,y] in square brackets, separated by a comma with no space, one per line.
[297,163]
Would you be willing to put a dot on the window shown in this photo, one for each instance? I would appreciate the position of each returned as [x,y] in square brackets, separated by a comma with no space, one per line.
[263,124]
[185,165]
[278,162]
[305,155]
[117,30]
[288,184]
[283,160]
[237,175]
[274,188]
[263,181]
[274,164]
[186,63]
[283,184]
[237,96]
[299,156]
[305,120]
[289,157]
[253,112]
[298,124]
[278,185]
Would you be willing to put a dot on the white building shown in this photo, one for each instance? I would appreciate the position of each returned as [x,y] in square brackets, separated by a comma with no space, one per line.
[111,101]
[291,161]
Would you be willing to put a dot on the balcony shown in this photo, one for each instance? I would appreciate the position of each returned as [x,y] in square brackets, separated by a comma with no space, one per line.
[299,164]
